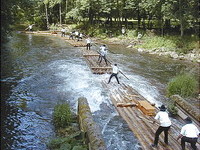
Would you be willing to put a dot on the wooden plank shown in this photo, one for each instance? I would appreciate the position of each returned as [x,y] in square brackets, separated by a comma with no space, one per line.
[140,124]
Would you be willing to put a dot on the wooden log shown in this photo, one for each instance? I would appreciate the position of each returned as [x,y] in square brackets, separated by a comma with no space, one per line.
[126,104]
[88,126]
[186,108]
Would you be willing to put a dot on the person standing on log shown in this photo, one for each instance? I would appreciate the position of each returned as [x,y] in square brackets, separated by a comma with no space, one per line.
[103,53]
[63,32]
[189,133]
[165,124]
[88,43]
[115,73]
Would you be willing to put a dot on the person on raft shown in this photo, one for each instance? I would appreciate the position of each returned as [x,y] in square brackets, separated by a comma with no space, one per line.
[165,124]
[115,73]
[103,53]
[189,133]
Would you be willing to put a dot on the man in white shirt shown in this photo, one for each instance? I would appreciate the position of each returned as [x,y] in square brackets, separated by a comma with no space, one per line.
[165,124]
[115,72]
[189,133]
[88,41]
[139,37]
[103,53]
[63,32]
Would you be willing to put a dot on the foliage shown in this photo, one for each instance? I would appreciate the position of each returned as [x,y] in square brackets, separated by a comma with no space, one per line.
[158,42]
[73,141]
[184,85]
[62,115]
[172,108]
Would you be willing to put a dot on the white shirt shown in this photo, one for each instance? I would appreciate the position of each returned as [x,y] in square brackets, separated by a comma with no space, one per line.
[190,130]
[76,33]
[88,41]
[139,36]
[103,51]
[30,26]
[115,69]
[63,30]
[163,118]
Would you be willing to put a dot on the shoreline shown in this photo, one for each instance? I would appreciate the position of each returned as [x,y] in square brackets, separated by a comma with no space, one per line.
[193,56]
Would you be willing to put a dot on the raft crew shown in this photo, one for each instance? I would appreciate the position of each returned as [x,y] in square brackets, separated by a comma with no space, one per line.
[88,43]
[139,37]
[115,72]
[123,31]
[165,124]
[72,34]
[30,27]
[80,37]
[189,133]
[63,30]
[103,53]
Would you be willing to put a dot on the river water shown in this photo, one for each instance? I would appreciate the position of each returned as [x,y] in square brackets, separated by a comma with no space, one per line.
[38,72]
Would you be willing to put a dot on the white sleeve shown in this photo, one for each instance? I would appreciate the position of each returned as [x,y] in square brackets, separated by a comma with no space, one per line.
[157,116]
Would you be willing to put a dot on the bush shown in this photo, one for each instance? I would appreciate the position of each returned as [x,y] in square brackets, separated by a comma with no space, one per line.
[172,109]
[62,115]
[184,85]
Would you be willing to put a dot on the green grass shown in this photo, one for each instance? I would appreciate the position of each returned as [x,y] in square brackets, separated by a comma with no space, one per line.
[184,85]
[62,115]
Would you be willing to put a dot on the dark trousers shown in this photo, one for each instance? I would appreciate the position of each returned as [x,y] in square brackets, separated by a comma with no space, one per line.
[62,34]
[192,141]
[159,131]
[112,75]
[88,46]
[104,57]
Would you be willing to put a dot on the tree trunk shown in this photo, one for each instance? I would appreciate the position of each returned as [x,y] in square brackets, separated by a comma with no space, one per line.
[181,27]
[138,16]
[66,5]
[60,13]
[47,18]
[87,125]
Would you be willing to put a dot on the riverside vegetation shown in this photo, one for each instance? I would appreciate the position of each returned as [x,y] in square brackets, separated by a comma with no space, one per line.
[69,136]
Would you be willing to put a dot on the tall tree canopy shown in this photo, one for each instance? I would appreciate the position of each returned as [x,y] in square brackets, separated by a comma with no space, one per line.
[149,14]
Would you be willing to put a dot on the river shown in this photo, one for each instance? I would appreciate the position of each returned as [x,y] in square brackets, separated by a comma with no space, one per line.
[38,72]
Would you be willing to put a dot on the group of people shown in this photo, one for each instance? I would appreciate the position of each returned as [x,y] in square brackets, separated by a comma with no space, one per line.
[189,132]
[75,35]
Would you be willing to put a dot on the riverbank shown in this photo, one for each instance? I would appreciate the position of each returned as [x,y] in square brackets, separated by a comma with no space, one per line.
[192,56]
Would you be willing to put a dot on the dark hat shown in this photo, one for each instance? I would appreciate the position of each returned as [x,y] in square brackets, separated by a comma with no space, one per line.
[115,64]
[162,108]
[188,120]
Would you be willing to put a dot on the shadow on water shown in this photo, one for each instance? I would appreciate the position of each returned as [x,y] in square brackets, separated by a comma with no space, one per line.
[39,72]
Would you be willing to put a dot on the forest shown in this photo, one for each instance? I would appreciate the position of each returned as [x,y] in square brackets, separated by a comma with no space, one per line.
[178,17]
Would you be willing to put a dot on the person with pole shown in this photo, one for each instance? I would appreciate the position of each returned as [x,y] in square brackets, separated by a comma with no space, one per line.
[103,53]
[165,124]
[30,27]
[63,32]
[114,73]
[189,133]
[88,43]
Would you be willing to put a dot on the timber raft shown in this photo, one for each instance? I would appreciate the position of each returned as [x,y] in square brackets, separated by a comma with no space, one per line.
[91,58]
[139,115]
[131,106]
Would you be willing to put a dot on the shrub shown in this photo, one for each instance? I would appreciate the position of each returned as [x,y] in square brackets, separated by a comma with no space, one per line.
[184,85]
[62,115]
[172,108]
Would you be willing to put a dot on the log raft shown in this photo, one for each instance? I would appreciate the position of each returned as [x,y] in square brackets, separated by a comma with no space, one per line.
[127,102]
[76,43]
[91,58]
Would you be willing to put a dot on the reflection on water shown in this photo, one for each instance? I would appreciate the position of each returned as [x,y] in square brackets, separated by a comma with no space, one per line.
[39,72]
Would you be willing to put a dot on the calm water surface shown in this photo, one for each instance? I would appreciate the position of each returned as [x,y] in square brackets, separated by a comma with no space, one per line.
[38,72]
